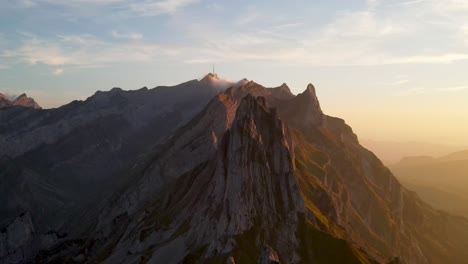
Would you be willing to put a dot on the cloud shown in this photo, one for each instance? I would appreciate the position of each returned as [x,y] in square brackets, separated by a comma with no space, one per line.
[3,66]
[431,59]
[247,18]
[383,33]
[130,36]
[86,51]
[138,7]
[58,72]
[399,82]
[453,89]
[154,8]
[420,90]
[411,91]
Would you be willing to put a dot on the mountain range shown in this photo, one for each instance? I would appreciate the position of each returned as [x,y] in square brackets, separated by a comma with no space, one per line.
[208,171]
[439,181]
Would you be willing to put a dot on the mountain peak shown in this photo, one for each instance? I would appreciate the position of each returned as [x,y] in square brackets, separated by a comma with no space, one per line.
[23,95]
[311,95]
[211,76]
[25,101]
[311,89]
[284,86]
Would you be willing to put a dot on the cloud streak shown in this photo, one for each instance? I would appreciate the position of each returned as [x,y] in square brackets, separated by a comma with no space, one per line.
[58,72]
[130,36]
[138,7]
[86,51]
[381,34]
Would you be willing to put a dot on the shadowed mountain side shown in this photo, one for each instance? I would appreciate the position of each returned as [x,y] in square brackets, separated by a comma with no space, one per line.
[64,160]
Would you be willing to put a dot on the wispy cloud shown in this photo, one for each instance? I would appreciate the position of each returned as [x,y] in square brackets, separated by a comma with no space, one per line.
[3,66]
[399,82]
[86,51]
[442,58]
[411,91]
[58,72]
[421,90]
[130,36]
[381,34]
[138,7]
[154,8]
[453,89]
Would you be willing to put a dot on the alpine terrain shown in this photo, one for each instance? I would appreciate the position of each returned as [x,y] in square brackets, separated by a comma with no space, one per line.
[208,171]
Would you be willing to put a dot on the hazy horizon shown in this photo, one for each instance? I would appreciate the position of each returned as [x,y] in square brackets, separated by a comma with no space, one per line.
[394,71]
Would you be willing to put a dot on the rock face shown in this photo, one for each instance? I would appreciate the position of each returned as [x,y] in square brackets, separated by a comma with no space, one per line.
[254,167]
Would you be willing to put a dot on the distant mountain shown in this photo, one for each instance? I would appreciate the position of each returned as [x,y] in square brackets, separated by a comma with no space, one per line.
[22,100]
[207,171]
[442,182]
[392,152]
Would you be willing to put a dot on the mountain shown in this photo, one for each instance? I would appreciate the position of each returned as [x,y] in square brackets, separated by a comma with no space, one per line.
[391,152]
[22,100]
[439,181]
[249,175]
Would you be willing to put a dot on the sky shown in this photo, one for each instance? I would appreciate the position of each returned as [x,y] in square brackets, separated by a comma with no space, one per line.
[394,70]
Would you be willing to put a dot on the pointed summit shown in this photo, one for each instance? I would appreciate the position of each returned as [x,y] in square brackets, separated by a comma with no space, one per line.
[285,87]
[311,97]
[311,89]
[282,92]
[23,95]
[304,109]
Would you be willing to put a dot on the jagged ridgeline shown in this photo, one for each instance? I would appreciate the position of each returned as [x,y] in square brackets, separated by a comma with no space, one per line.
[208,171]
